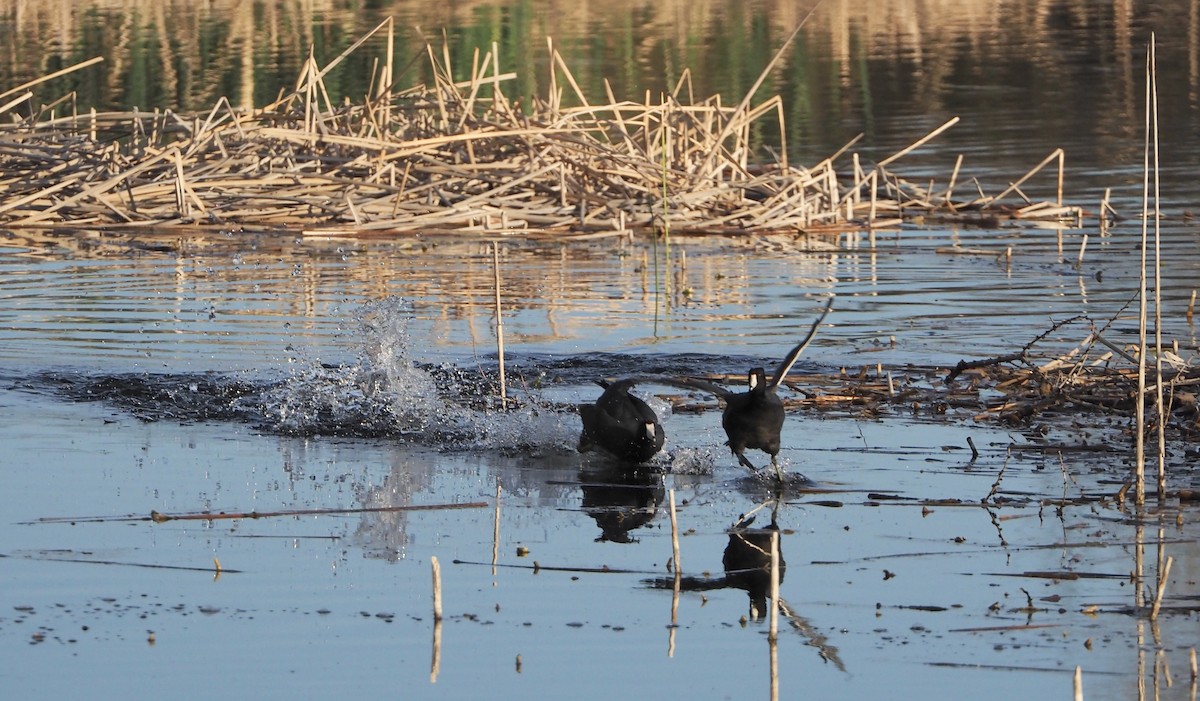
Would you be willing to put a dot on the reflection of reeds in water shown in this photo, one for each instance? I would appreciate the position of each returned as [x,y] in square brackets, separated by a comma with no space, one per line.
[185,56]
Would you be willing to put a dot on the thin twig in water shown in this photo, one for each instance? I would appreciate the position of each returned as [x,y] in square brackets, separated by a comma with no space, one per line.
[209,516]
[996,485]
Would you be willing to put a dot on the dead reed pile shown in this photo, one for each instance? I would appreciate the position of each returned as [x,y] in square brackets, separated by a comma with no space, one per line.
[456,156]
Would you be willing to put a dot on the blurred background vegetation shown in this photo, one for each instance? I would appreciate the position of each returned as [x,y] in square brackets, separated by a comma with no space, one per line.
[855,60]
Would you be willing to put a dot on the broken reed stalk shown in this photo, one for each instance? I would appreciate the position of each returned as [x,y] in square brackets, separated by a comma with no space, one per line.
[51,76]
[437,588]
[1163,576]
[1058,154]
[435,656]
[774,620]
[926,139]
[674,534]
[499,320]
[1078,683]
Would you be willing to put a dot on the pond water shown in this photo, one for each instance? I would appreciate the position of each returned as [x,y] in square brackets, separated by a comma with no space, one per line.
[273,374]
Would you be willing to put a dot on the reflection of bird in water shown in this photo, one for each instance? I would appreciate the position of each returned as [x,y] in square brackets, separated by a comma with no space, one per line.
[620,501]
[621,424]
[747,562]
[754,418]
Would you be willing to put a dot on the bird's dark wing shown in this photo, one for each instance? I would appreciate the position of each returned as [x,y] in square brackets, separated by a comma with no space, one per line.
[790,359]
[681,382]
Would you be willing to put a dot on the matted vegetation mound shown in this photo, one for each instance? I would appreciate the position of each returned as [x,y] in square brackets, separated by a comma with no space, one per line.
[454,156]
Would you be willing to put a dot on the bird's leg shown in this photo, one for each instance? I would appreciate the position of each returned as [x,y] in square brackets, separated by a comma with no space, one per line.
[778,470]
[744,461]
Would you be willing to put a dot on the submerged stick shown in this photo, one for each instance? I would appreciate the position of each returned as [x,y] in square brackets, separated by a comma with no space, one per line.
[216,569]
[208,516]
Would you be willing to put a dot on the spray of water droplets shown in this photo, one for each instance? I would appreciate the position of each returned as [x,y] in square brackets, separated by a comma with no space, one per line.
[386,392]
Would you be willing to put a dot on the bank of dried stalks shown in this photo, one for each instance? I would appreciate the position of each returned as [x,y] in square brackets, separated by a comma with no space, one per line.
[457,156]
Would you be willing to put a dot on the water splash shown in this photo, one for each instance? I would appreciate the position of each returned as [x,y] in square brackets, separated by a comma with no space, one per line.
[387,393]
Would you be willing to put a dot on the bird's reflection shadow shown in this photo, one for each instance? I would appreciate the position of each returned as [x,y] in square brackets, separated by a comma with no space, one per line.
[620,499]
[747,565]
[747,562]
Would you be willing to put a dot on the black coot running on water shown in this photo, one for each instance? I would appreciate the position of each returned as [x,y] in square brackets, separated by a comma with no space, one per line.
[621,424]
[754,418]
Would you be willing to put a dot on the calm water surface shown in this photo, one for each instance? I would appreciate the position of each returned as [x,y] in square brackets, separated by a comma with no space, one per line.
[153,373]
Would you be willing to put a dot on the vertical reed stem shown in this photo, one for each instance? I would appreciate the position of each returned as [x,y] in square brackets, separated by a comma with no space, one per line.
[773,636]
[499,320]
[437,588]
[496,531]
[674,534]
[1140,404]
[678,575]
[774,620]
[1158,346]
[1062,158]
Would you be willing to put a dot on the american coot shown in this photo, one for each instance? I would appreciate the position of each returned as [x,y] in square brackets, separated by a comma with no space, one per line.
[621,424]
[754,418]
